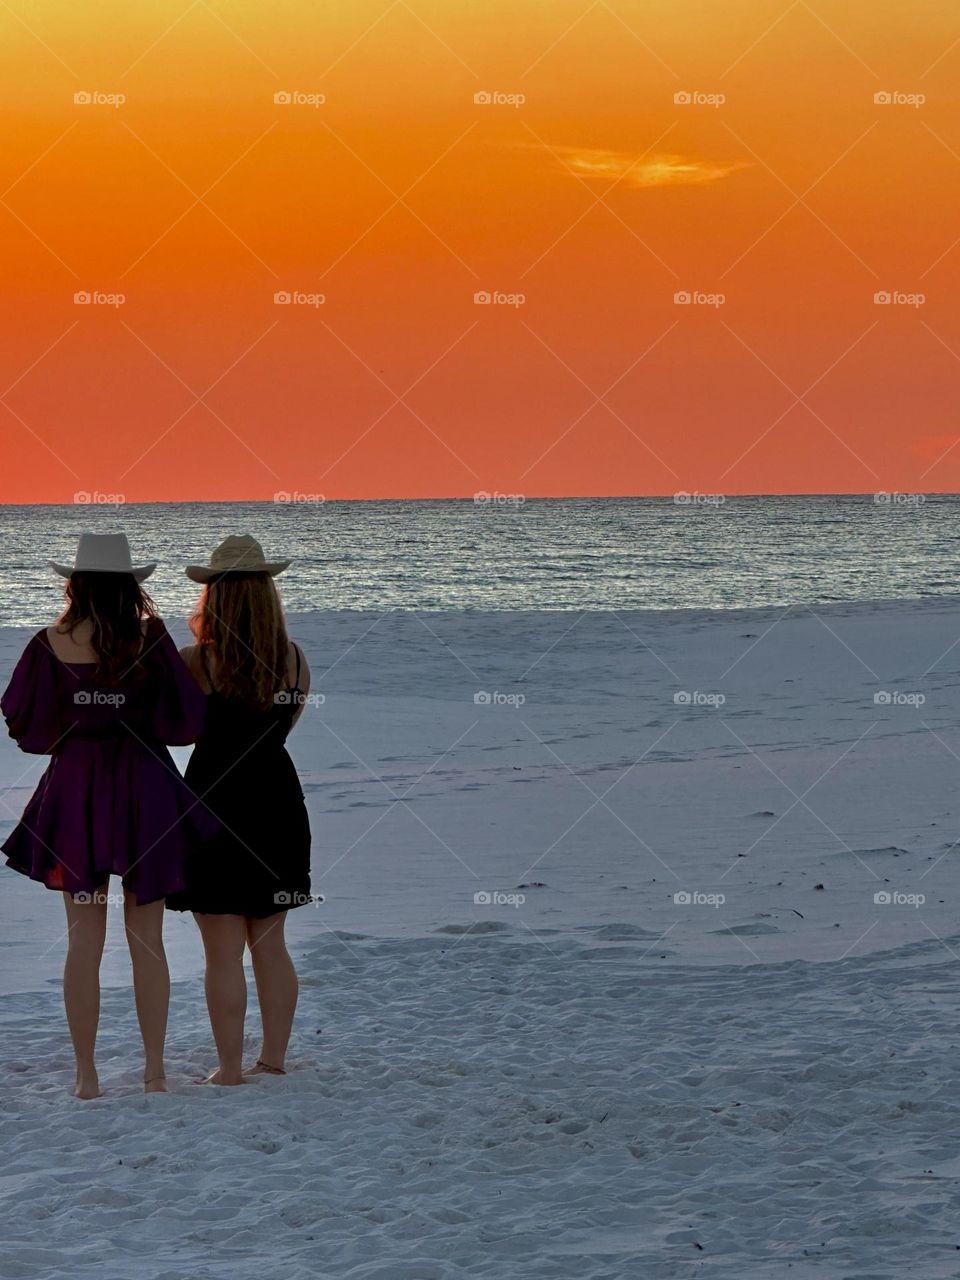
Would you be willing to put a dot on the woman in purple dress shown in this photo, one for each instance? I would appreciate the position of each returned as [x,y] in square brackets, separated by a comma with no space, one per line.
[101,692]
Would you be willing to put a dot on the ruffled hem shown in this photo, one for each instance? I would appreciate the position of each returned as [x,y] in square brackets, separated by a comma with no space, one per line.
[56,883]
[114,807]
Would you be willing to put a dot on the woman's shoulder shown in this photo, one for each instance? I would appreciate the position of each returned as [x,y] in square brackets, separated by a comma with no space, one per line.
[35,668]
[41,650]
[192,656]
[40,644]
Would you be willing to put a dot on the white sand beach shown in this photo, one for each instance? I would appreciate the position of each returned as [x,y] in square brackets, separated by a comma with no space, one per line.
[703,1022]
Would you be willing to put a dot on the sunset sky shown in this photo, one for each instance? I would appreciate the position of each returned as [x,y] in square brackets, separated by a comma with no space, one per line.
[784,197]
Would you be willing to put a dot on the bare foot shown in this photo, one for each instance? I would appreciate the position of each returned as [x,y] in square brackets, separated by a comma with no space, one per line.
[264,1069]
[87,1087]
[157,1085]
[221,1077]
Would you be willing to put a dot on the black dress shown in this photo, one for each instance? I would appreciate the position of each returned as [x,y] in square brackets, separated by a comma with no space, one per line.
[259,863]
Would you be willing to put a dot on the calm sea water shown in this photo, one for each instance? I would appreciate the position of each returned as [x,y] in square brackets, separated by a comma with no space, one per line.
[569,554]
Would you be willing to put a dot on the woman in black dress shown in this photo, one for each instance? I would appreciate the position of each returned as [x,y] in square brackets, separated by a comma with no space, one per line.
[241,884]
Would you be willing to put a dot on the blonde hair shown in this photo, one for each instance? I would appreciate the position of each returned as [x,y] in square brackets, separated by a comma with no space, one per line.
[239,623]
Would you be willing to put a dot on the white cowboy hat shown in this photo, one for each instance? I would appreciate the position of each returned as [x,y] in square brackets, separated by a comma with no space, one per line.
[240,553]
[104,553]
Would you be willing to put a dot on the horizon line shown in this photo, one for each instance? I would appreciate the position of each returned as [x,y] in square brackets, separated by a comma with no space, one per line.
[495,493]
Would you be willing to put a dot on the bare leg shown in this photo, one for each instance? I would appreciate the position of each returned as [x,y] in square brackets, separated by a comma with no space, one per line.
[277,986]
[151,984]
[86,930]
[224,938]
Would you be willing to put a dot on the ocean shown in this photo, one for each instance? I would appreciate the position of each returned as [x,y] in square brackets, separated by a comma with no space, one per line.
[538,554]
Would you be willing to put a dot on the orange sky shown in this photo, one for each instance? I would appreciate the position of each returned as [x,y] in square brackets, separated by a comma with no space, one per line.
[597,198]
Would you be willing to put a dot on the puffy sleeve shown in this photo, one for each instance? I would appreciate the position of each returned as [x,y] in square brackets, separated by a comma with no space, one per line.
[177,714]
[31,703]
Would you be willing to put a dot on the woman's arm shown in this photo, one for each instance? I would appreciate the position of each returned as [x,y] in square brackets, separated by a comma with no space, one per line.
[177,714]
[190,653]
[36,713]
[303,683]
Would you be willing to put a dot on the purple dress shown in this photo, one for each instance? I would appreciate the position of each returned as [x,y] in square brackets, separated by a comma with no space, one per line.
[111,801]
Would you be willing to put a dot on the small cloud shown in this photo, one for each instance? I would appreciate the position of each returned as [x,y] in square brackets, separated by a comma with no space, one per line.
[640,172]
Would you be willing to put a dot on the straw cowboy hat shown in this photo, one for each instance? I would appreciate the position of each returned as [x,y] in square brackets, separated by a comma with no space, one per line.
[240,553]
[104,553]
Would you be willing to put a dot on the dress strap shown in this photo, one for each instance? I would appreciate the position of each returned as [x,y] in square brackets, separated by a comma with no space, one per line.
[296,678]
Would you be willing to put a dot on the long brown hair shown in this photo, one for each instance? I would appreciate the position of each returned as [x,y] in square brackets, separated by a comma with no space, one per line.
[116,605]
[239,624]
